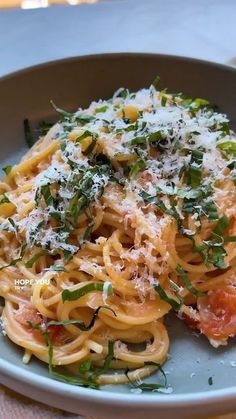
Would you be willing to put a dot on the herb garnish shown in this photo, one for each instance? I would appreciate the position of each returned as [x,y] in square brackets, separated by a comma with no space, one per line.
[187,282]
[228,148]
[68,295]
[28,133]
[4,200]
[79,381]
[160,204]
[7,169]
[148,386]
[79,323]
[175,304]
[195,168]
[36,257]
[210,381]
[15,261]
[43,127]
[212,250]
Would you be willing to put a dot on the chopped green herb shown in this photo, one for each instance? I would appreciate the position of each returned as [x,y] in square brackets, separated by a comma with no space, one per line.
[102,109]
[210,381]
[107,362]
[156,81]
[79,323]
[85,134]
[5,199]
[228,148]
[187,282]
[37,256]
[195,168]
[91,147]
[88,232]
[137,167]
[123,93]
[156,364]
[68,295]
[44,127]
[148,386]
[61,111]
[150,138]
[58,376]
[176,305]
[15,261]
[86,366]
[212,250]
[160,204]
[28,133]
[7,169]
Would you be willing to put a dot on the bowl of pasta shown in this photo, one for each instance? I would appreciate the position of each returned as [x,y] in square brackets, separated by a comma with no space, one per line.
[118,231]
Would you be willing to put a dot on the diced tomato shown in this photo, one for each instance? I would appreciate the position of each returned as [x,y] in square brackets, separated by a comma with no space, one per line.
[147,176]
[54,332]
[27,313]
[189,321]
[218,313]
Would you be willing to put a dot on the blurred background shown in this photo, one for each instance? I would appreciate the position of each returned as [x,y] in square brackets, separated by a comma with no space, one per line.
[33,4]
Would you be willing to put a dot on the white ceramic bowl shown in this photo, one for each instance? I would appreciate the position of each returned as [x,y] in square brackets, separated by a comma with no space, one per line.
[72,83]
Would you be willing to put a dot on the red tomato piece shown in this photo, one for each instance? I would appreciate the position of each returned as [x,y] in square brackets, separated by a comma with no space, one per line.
[218,313]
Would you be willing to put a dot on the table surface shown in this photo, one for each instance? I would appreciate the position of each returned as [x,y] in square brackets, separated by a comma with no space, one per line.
[202,29]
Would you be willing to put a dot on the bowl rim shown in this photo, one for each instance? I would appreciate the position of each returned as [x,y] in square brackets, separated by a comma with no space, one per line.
[102,396]
[17,73]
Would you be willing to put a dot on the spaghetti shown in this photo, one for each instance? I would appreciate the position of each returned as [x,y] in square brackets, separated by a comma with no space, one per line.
[118,214]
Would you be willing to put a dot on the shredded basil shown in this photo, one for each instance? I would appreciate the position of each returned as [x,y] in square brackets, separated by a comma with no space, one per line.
[187,282]
[102,109]
[107,362]
[85,134]
[210,381]
[138,166]
[201,204]
[28,133]
[195,168]
[143,139]
[37,256]
[68,295]
[86,366]
[5,199]
[156,364]
[79,323]
[88,232]
[160,204]
[79,381]
[212,250]
[123,93]
[15,261]
[7,169]
[43,127]
[61,111]
[148,386]
[156,81]
[228,148]
[176,305]
[91,147]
